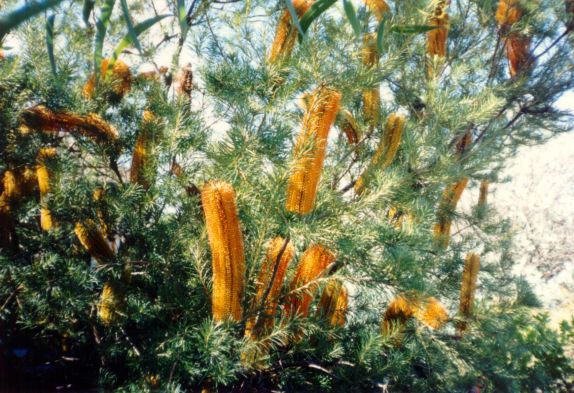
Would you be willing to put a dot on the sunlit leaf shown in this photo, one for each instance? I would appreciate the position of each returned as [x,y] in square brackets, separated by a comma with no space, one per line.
[17,16]
[352,16]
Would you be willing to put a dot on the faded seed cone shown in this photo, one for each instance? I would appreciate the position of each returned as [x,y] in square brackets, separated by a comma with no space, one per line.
[312,265]
[286,33]
[468,288]
[91,126]
[142,170]
[93,241]
[334,303]
[437,38]
[386,150]
[269,282]
[309,151]
[111,301]
[43,175]
[447,205]
[226,244]
[483,196]
[371,97]
[121,79]
[378,8]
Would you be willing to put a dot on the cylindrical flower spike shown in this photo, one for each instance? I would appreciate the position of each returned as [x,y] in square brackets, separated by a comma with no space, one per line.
[371,97]
[226,244]
[185,85]
[333,304]
[386,151]
[447,205]
[43,175]
[310,148]
[142,171]
[483,195]
[518,53]
[508,12]
[279,254]
[378,8]
[121,80]
[432,313]
[312,265]
[399,311]
[91,126]
[463,143]
[349,126]
[428,311]
[468,288]
[98,197]
[111,301]
[19,183]
[93,241]
[436,38]
[286,33]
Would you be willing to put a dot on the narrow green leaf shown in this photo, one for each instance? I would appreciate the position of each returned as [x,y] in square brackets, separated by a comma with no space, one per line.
[412,29]
[127,40]
[352,16]
[101,28]
[87,10]
[50,41]
[294,16]
[313,13]
[380,35]
[130,25]
[182,17]
[13,18]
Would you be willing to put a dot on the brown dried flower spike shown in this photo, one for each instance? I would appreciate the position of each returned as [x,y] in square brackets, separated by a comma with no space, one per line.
[286,33]
[447,205]
[226,244]
[310,148]
[468,288]
[436,39]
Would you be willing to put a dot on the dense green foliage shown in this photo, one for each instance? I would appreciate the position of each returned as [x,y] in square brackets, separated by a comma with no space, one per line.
[241,127]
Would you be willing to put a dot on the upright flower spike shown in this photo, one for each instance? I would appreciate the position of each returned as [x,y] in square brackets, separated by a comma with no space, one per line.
[517,44]
[91,126]
[185,84]
[468,288]
[269,283]
[312,265]
[371,97]
[120,78]
[111,301]
[447,205]
[93,241]
[310,148]
[142,171]
[378,8]
[334,303]
[43,175]
[349,126]
[98,197]
[436,39]
[508,12]
[19,183]
[286,33]
[483,195]
[386,151]
[226,244]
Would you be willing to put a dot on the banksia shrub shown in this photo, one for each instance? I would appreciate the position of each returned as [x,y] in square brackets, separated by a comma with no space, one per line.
[349,126]
[111,301]
[371,97]
[334,303]
[378,8]
[93,241]
[310,148]
[386,150]
[43,176]
[226,243]
[286,33]
[120,79]
[91,126]
[437,38]
[312,265]
[468,288]
[142,170]
[269,283]
[447,205]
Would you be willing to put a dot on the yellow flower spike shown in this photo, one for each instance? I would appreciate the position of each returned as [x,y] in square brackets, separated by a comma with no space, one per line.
[334,303]
[43,175]
[447,205]
[386,151]
[112,300]
[226,243]
[91,126]
[93,241]
[286,33]
[428,311]
[275,269]
[468,288]
[310,148]
[371,97]
[378,8]
[312,265]
[399,311]
[142,170]
[121,79]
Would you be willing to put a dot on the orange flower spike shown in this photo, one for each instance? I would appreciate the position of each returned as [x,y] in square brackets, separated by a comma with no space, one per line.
[121,79]
[43,175]
[271,268]
[371,97]
[447,205]
[93,241]
[378,8]
[334,303]
[286,33]
[433,314]
[386,151]
[11,185]
[310,149]
[508,12]
[468,287]
[312,265]
[226,243]
[437,38]
[142,155]
[399,311]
